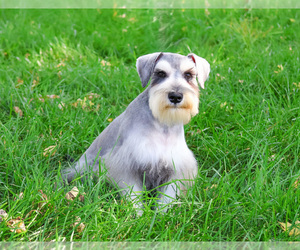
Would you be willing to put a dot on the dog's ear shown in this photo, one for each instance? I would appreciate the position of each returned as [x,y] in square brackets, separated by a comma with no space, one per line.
[145,66]
[202,67]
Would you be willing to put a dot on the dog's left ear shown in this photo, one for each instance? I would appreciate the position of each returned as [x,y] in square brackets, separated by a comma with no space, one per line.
[145,66]
[202,67]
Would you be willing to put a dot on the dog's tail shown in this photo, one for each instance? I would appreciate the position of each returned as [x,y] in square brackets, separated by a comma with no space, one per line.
[68,175]
[82,169]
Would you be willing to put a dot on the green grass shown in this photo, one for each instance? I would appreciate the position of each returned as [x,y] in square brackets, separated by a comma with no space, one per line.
[245,137]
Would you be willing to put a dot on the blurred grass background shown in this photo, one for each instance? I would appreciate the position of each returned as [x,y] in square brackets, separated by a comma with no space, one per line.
[65,74]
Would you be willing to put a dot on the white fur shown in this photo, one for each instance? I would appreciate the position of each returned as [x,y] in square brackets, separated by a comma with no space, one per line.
[166,113]
[164,65]
[162,109]
[139,147]
[187,65]
[203,69]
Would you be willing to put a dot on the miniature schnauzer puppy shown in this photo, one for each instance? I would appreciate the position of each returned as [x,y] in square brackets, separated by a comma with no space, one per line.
[144,147]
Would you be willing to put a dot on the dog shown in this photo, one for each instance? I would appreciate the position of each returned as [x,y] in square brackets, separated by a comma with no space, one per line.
[145,147]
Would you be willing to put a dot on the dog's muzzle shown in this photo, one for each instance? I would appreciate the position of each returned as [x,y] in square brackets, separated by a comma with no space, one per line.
[175,97]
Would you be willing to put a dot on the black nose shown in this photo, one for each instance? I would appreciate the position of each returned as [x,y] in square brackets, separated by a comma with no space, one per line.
[175,97]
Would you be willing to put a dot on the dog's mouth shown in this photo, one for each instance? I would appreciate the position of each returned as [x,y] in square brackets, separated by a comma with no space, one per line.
[173,107]
[185,106]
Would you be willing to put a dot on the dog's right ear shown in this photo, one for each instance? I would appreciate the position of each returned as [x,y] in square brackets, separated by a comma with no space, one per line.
[145,66]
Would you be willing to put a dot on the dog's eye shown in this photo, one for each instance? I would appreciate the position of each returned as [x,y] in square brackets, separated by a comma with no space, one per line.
[161,74]
[188,75]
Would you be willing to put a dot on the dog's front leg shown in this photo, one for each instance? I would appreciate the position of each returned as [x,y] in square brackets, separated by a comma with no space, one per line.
[167,196]
[135,194]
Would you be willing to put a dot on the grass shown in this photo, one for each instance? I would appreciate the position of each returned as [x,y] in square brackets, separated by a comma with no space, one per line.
[245,137]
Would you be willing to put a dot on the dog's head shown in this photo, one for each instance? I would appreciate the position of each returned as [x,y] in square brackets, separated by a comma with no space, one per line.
[174,91]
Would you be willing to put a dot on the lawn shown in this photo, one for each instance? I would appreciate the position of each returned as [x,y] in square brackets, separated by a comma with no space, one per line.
[66,74]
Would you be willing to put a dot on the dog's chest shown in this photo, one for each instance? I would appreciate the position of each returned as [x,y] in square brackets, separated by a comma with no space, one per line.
[151,148]
[156,156]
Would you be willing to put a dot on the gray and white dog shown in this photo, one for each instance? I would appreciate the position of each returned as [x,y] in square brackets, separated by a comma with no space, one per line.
[145,146]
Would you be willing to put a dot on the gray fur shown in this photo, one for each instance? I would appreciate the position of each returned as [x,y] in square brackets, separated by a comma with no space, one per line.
[136,149]
[145,65]
[112,137]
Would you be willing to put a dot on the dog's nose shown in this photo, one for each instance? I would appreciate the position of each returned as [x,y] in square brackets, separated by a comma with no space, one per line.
[175,97]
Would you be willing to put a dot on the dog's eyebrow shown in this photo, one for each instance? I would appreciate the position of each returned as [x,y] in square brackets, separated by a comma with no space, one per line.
[159,69]
[187,65]
[163,65]
[191,69]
